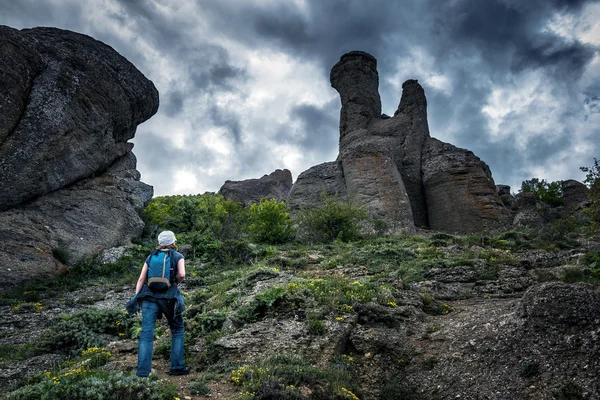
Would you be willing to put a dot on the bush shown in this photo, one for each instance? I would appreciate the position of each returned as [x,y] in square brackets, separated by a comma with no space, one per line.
[592,179]
[332,219]
[210,214]
[270,222]
[77,332]
[549,193]
[95,385]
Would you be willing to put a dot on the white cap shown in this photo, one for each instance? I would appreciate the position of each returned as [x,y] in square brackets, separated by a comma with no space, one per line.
[166,238]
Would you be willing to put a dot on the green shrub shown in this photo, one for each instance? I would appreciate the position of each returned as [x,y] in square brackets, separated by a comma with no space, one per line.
[210,214]
[592,179]
[280,375]
[77,332]
[95,385]
[316,327]
[332,219]
[200,388]
[270,222]
[549,193]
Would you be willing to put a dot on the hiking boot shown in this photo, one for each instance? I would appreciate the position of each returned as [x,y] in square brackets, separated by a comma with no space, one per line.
[180,371]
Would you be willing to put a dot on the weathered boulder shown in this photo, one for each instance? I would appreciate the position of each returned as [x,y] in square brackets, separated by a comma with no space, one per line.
[325,178]
[574,193]
[69,106]
[394,167]
[459,190]
[83,103]
[556,304]
[276,185]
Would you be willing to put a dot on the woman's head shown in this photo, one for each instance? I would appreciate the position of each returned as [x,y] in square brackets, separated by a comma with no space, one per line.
[166,240]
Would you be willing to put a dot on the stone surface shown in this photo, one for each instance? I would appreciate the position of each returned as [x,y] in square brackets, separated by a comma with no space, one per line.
[69,105]
[574,193]
[276,186]
[83,103]
[459,190]
[325,178]
[394,167]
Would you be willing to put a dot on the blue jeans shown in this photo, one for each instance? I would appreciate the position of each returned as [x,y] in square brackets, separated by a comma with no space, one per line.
[150,310]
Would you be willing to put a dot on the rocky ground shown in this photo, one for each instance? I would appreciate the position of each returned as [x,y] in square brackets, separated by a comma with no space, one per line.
[471,327]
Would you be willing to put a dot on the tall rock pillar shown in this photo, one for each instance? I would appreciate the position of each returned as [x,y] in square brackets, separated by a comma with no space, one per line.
[368,161]
[413,131]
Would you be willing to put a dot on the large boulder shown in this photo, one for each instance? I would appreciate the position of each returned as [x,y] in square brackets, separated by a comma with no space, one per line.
[70,104]
[276,186]
[394,167]
[326,178]
[575,193]
[459,190]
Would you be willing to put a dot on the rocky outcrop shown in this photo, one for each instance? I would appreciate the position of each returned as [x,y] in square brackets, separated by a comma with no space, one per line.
[394,167]
[574,193]
[70,104]
[325,178]
[276,185]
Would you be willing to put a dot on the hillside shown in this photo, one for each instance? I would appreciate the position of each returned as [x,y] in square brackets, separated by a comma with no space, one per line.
[428,316]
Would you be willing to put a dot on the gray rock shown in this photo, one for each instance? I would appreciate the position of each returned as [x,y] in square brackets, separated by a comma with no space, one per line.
[558,305]
[276,186]
[574,193]
[459,190]
[394,167]
[356,79]
[83,103]
[325,178]
[70,104]
[111,255]
[503,189]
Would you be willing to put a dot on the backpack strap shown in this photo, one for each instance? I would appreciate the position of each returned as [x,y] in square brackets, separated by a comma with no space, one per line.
[173,267]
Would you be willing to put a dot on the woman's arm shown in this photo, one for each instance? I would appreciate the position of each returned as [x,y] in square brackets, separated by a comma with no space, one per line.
[180,271]
[142,279]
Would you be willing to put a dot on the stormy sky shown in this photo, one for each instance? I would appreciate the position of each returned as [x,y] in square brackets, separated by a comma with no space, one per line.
[244,84]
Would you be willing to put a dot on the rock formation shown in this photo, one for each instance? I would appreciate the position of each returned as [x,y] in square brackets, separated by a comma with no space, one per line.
[276,185]
[392,165]
[574,193]
[69,105]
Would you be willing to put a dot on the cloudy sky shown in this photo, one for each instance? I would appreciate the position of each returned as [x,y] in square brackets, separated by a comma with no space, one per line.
[244,84]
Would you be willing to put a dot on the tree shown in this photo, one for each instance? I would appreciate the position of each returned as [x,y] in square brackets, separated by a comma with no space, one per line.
[549,193]
[592,180]
[270,222]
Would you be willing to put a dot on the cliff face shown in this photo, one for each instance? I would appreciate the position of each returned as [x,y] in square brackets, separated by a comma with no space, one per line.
[70,104]
[392,165]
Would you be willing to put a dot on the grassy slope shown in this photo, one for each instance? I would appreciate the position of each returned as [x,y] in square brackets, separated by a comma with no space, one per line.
[329,283]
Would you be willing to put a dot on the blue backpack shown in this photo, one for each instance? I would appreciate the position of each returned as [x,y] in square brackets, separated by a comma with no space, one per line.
[161,274]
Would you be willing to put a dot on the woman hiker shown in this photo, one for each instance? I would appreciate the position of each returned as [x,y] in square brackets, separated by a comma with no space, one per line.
[158,294]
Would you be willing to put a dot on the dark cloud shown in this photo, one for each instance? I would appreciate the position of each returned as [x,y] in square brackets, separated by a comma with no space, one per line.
[475,46]
[318,132]
[227,120]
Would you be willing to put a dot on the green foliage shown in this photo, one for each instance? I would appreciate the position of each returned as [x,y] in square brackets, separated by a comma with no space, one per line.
[592,179]
[332,219]
[61,254]
[549,193]
[209,214]
[205,323]
[77,332]
[200,388]
[280,376]
[316,327]
[95,385]
[270,222]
